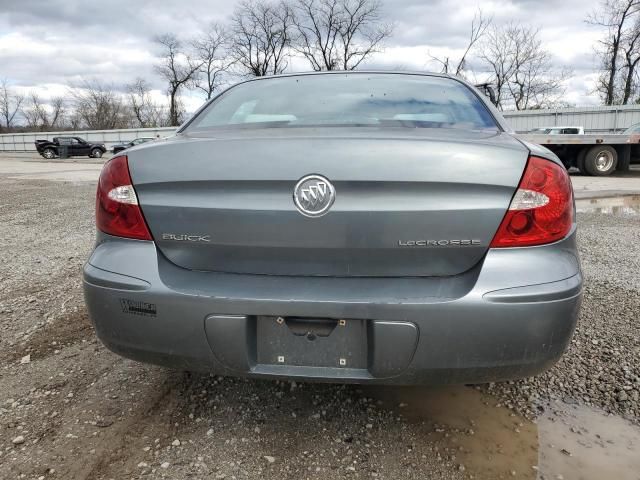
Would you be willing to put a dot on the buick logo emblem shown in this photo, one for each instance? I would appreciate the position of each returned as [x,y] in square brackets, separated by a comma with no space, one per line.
[314,195]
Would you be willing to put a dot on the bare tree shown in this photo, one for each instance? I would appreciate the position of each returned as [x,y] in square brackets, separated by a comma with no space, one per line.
[260,36]
[212,52]
[479,26]
[362,32]
[615,16]
[630,48]
[40,116]
[497,53]
[534,83]
[75,120]
[10,103]
[34,112]
[178,69]
[99,106]
[317,23]
[57,112]
[338,34]
[521,69]
[145,112]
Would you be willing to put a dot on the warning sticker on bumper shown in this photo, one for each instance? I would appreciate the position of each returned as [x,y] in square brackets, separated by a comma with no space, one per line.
[135,307]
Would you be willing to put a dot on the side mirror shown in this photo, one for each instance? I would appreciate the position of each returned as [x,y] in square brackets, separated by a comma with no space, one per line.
[492,95]
[488,91]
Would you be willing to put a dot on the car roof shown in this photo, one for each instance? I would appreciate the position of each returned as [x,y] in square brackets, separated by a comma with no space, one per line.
[356,72]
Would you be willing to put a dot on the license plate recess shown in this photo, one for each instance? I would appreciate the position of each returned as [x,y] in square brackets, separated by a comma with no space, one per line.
[311,342]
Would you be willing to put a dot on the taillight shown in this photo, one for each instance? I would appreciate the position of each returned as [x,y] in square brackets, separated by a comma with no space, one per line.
[541,210]
[117,209]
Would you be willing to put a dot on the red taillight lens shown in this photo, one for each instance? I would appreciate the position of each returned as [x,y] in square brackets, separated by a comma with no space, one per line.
[541,211]
[117,209]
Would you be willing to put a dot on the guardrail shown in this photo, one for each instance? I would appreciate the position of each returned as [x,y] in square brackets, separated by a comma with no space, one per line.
[25,142]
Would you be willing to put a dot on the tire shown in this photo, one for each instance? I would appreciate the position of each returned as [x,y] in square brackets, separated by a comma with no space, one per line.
[96,153]
[601,160]
[49,153]
[580,161]
[624,158]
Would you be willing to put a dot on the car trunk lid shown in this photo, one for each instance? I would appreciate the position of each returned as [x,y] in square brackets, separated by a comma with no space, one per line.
[408,202]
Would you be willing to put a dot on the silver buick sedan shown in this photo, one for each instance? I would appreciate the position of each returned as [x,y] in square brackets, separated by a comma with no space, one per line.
[346,227]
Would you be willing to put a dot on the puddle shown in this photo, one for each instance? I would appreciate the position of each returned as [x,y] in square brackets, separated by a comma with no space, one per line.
[600,446]
[624,205]
[566,442]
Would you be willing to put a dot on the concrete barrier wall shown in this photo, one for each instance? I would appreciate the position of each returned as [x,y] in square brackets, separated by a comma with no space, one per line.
[25,142]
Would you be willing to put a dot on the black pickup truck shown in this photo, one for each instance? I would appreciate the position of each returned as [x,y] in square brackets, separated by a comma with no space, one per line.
[76,147]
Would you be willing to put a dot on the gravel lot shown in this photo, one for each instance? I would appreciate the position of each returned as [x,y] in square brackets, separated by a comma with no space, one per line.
[71,409]
[602,366]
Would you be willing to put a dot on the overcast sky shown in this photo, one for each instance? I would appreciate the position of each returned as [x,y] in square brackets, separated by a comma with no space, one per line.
[46,45]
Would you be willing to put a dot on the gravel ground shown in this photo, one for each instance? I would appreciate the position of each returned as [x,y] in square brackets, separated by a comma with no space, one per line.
[71,409]
[602,366]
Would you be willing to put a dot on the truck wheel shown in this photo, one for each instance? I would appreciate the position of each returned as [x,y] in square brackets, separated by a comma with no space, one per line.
[624,158]
[96,153]
[49,153]
[580,161]
[601,160]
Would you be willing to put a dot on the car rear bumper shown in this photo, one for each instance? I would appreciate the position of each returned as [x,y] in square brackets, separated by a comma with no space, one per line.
[511,316]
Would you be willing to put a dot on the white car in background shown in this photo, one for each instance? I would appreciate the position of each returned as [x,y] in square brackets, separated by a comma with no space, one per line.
[559,131]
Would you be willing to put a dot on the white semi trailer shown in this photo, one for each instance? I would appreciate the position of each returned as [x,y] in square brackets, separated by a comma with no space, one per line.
[592,154]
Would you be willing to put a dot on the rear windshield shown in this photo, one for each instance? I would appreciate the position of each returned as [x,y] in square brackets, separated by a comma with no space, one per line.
[394,100]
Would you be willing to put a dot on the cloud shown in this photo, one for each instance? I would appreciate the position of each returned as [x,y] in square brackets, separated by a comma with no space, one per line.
[46,45]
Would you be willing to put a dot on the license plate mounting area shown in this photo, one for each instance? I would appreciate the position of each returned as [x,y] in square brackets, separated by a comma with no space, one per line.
[311,342]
